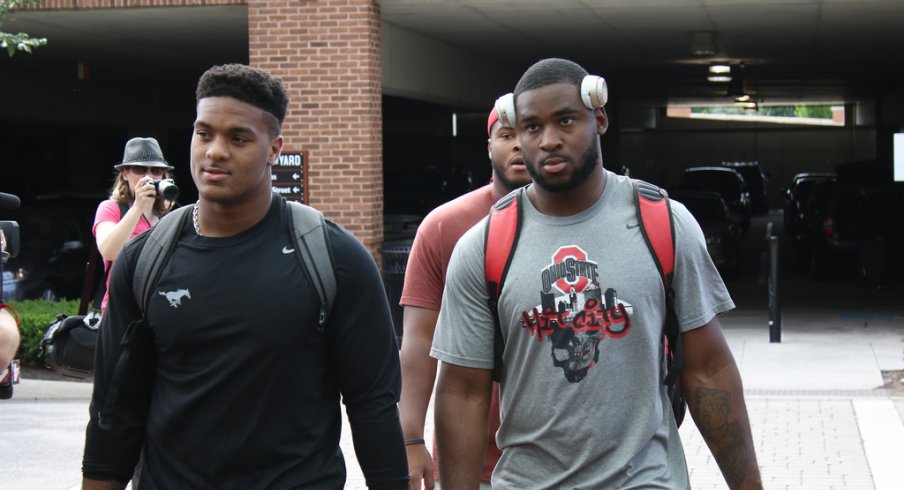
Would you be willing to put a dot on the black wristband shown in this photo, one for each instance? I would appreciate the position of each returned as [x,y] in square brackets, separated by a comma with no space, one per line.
[412,442]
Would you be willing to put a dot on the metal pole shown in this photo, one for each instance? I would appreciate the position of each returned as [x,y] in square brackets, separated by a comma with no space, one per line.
[775,310]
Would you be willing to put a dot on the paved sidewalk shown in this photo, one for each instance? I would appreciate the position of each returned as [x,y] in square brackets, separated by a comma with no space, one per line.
[819,417]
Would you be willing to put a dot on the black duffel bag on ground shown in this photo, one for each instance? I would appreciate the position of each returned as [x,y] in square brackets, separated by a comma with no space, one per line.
[68,345]
[69,342]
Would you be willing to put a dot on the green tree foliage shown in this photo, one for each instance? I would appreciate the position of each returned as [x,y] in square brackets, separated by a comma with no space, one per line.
[778,111]
[815,111]
[798,110]
[18,41]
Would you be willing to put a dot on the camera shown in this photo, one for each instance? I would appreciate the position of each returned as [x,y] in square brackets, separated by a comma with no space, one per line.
[166,188]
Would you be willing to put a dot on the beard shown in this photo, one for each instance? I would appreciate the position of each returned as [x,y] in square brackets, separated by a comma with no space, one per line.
[589,161]
[499,174]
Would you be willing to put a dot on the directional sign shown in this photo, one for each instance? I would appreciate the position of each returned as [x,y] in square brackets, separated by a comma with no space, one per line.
[290,175]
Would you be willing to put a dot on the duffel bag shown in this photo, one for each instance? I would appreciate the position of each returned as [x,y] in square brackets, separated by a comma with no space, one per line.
[68,345]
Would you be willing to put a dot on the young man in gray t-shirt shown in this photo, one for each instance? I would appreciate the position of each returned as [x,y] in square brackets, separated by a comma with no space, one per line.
[582,399]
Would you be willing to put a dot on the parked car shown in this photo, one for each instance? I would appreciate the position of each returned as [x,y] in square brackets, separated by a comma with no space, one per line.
[728,183]
[722,233]
[850,229]
[756,183]
[55,239]
[796,197]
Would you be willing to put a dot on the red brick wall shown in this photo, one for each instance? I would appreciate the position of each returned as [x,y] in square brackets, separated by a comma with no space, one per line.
[328,54]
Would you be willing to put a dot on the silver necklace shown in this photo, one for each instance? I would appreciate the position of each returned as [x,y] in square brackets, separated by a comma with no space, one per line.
[194,219]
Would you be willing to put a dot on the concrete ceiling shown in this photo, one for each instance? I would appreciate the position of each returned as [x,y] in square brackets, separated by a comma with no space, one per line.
[796,49]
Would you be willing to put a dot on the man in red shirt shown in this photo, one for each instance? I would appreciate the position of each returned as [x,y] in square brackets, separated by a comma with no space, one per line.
[422,294]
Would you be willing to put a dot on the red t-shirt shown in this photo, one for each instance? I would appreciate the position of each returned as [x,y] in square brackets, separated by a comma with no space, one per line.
[425,277]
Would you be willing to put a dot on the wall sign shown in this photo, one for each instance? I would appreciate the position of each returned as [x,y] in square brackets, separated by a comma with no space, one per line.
[290,176]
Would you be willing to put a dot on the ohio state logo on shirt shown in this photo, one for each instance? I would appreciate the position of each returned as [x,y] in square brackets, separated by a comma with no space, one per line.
[569,271]
[575,312]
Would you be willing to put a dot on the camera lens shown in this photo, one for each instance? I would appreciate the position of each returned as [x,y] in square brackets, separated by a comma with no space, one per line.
[168,189]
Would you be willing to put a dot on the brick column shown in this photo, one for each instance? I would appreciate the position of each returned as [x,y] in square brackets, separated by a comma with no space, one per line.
[327,52]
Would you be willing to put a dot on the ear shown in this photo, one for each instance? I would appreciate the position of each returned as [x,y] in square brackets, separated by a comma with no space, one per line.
[275,149]
[602,121]
[489,148]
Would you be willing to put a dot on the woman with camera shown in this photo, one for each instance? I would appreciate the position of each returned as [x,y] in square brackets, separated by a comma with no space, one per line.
[142,193]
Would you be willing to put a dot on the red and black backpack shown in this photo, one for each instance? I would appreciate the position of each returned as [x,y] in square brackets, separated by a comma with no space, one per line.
[655,217]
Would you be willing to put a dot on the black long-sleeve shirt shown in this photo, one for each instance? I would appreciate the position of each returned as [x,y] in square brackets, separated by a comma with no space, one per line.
[233,385]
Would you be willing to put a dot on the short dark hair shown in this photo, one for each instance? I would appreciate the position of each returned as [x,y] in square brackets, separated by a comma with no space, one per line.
[247,84]
[550,72]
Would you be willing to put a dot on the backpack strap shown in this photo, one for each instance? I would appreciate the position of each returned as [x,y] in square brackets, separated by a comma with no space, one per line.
[309,232]
[655,215]
[157,248]
[501,239]
[153,256]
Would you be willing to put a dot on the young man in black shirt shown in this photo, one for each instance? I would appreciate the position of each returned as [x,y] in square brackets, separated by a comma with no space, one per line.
[232,384]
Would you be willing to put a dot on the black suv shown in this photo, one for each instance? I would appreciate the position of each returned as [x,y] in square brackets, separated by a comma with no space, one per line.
[722,234]
[851,228]
[726,182]
[797,196]
[756,184]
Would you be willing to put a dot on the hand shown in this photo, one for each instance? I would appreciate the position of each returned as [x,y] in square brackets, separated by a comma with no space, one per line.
[420,467]
[145,193]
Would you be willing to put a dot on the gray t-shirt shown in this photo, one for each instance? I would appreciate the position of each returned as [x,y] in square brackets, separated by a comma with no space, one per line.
[582,399]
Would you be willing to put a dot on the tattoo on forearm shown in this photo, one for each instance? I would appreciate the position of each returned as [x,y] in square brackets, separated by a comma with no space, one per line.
[711,412]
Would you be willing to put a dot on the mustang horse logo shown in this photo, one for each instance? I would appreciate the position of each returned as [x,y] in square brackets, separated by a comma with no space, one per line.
[175,297]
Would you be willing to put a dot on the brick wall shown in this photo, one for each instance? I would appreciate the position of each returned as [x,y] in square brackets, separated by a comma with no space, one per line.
[328,54]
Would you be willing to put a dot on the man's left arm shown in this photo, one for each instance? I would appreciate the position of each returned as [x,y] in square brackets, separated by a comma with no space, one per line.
[715,396]
[365,354]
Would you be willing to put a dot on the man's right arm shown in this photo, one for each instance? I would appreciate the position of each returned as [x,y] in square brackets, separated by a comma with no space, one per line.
[462,405]
[418,377]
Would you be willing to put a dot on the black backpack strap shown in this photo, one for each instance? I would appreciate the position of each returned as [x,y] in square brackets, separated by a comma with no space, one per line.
[501,239]
[309,232]
[88,282]
[157,248]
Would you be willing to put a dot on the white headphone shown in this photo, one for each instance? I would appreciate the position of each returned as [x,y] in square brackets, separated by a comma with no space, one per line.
[594,94]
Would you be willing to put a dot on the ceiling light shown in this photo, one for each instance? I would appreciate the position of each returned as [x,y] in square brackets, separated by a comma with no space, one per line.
[720,68]
[703,43]
[719,78]
[742,98]
[747,106]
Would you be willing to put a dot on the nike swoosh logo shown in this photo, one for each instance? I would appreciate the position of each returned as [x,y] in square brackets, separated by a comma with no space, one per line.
[631,225]
[286,250]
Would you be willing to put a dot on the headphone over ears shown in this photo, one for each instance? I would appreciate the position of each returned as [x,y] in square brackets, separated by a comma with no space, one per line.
[594,94]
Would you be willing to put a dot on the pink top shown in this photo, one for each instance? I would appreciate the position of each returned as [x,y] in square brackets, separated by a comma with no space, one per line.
[109,211]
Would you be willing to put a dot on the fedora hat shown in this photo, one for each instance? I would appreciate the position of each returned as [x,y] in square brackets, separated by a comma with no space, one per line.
[143,152]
